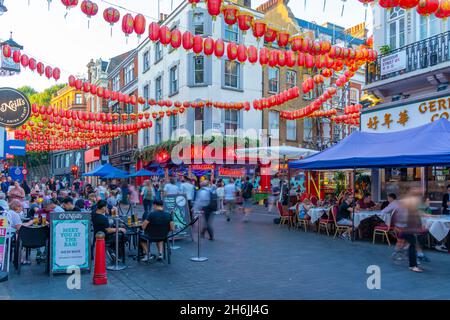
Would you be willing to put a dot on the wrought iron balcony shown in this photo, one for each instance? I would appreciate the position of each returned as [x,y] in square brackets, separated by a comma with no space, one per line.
[420,55]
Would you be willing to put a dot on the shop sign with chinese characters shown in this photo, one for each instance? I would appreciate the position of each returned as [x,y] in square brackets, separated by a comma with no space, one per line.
[406,116]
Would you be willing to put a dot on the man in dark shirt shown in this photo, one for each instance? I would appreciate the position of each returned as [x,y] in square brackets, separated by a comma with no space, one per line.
[446,202]
[343,216]
[100,222]
[51,184]
[5,185]
[67,205]
[157,218]
[366,202]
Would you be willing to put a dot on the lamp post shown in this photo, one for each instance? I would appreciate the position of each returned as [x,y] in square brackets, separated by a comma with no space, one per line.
[3,9]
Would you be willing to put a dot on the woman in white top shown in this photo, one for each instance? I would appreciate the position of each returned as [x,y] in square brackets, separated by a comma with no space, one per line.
[220,195]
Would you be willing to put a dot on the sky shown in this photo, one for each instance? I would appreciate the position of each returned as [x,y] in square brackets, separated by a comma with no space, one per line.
[67,43]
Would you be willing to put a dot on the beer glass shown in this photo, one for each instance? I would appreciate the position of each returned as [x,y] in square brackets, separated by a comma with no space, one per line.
[44,219]
[36,219]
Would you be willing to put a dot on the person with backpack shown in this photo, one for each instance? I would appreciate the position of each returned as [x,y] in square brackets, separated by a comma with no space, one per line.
[247,194]
[206,202]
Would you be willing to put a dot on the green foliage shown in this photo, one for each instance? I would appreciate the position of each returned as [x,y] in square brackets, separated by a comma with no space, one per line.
[34,159]
[41,98]
[386,49]
[27,90]
[339,180]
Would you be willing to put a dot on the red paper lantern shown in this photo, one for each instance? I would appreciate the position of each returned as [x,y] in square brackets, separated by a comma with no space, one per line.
[139,25]
[270,35]
[214,7]
[245,21]
[264,56]
[40,68]
[408,4]
[69,3]
[16,56]
[230,14]
[443,12]
[198,45]
[175,39]
[89,8]
[232,51]
[259,29]
[165,36]
[194,3]
[111,15]
[6,50]
[208,46]
[219,48]
[153,31]
[56,74]
[242,53]
[283,38]
[427,7]
[24,60]
[252,53]
[127,24]
[273,58]
[188,40]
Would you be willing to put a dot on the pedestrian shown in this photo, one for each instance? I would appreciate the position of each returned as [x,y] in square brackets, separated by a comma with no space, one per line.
[134,195]
[148,196]
[125,193]
[203,204]
[170,188]
[101,191]
[247,194]
[188,189]
[26,188]
[3,203]
[230,192]
[16,192]
[220,196]
[4,185]
[51,184]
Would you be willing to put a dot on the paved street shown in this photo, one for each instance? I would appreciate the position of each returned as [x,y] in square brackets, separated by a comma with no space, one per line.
[255,260]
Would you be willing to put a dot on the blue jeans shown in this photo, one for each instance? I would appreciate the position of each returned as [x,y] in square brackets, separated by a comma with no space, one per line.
[147,205]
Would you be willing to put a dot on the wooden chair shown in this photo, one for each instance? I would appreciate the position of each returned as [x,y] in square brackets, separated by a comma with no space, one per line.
[301,221]
[285,216]
[340,228]
[385,230]
[325,222]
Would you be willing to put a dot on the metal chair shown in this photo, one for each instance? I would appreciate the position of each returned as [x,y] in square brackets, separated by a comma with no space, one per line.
[156,233]
[32,238]
[285,216]
[385,230]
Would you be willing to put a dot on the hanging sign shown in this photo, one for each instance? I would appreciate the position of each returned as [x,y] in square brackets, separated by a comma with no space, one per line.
[70,241]
[15,108]
[393,63]
[234,173]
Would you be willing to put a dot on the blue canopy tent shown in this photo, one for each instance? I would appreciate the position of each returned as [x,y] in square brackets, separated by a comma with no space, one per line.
[117,175]
[104,170]
[427,145]
[142,173]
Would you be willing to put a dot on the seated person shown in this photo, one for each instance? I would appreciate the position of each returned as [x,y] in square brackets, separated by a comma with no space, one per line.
[343,216]
[366,203]
[14,215]
[100,223]
[67,205]
[80,204]
[34,207]
[3,203]
[303,209]
[157,217]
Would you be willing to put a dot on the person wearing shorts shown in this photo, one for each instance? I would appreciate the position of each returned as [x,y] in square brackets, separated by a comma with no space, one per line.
[230,191]
[343,216]
[247,194]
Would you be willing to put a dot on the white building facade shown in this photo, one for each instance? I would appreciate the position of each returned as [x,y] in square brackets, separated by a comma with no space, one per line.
[177,75]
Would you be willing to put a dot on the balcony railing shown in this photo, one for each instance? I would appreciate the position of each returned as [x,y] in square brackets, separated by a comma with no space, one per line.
[419,55]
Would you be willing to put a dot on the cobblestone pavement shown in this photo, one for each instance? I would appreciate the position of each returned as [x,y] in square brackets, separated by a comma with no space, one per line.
[254,260]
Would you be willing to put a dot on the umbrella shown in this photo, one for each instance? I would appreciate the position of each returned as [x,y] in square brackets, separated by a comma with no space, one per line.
[142,173]
[117,175]
[104,170]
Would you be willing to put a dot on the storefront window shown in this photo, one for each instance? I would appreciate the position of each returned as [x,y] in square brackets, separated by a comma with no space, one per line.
[438,179]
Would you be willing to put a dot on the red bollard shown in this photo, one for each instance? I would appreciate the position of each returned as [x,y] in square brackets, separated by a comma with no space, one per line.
[100,260]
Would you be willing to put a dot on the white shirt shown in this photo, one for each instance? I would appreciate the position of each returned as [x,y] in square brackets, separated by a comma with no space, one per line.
[188,189]
[230,191]
[220,192]
[171,189]
[13,218]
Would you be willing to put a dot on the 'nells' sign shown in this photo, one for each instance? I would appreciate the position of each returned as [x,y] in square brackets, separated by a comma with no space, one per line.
[15,108]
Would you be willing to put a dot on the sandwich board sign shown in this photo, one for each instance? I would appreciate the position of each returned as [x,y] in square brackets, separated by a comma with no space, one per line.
[177,206]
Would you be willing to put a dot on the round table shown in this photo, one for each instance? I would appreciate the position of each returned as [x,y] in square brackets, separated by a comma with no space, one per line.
[438,226]
[317,213]
[361,215]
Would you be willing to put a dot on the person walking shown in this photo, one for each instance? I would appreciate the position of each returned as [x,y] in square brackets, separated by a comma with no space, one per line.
[188,189]
[230,192]
[202,204]
[247,194]
[134,195]
[148,196]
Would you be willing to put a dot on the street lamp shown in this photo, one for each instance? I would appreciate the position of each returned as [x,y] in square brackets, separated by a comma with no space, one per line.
[3,9]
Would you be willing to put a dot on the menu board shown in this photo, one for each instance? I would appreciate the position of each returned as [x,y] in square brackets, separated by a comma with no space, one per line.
[177,206]
[70,241]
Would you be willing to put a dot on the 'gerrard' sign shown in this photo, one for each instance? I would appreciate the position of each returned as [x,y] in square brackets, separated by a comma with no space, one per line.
[15,108]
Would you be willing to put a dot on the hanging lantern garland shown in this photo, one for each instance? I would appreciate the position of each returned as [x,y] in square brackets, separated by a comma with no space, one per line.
[112,16]
[139,25]
[127,25]
[90,9]
[69,4]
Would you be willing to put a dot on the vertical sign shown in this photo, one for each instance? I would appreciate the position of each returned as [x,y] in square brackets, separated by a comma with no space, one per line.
[3,229]
[177,205]
[70,241]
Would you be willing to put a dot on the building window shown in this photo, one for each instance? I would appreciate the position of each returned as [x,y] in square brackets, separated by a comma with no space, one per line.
[291,130]
[199,23]
[158,89]
[146,96]
[231,120]
[147,137]
[274,124]
[78,98]
[67,160]
[354,96]
[173,127]
[158,132]
[146,59]
[429,26]
[173,80]
[274,79]
[396,28]
[232,74]
[158,52]
[199,70]
[232,33]
[129,73]
[291,79]
[199,121]
[307,129]
[116,83]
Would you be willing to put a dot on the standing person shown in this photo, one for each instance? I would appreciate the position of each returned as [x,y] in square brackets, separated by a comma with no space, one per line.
[220,195]
[16,192]
[5,185]
[148,196]
[51,184]
[76,185]
[34,207]
[125,192]
[230,192]
[203,203]
[445,201]
[188,189]
[134,195]
[275,195]
[171,188]
[247,194]
[101,191]
[26,187]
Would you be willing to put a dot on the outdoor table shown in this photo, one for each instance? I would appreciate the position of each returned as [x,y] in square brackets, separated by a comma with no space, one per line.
[317,213]
[361,215]
[438,226]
